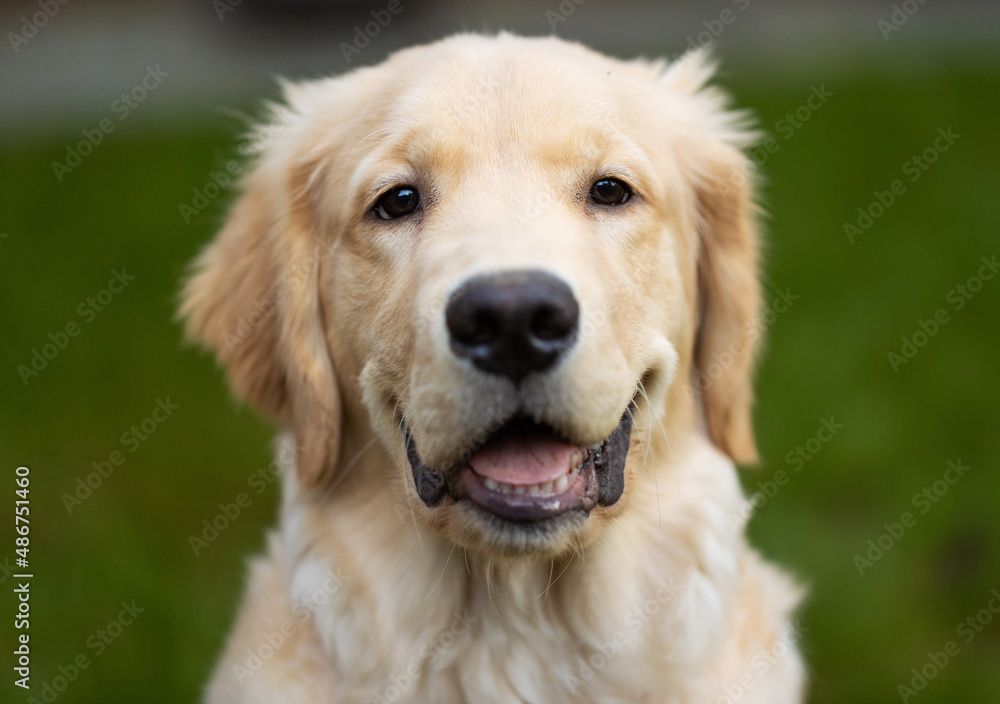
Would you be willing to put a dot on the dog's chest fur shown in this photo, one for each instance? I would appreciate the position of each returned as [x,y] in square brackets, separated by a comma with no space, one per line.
[425,622]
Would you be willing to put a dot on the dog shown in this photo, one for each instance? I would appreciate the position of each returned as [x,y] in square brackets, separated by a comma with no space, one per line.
[501,294]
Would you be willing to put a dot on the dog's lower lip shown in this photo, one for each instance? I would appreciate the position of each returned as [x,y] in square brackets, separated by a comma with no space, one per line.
[518,504]
[600,480]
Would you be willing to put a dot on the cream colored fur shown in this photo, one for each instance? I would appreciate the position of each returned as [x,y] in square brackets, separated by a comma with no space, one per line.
[332,322]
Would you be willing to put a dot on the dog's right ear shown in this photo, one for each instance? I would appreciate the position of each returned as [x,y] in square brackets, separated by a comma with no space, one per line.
[728,332]
[230,302]
[253,297]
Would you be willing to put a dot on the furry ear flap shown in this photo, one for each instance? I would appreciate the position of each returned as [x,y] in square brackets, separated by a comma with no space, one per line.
[728,325]
[729,305]
[253,298]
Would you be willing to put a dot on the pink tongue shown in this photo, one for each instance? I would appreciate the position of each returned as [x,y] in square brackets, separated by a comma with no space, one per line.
[523,458]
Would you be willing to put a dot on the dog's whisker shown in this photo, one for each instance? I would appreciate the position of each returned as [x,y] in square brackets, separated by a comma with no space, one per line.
[347,469]
[410,490]
[646,445]
[443,570]
[648,449]
[659,419]
[413,514]
[544,595]
[561,573]
[526,572]
[658,416]
[490,584]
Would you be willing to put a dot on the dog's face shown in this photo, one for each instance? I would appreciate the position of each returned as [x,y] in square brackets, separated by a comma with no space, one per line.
[507,261]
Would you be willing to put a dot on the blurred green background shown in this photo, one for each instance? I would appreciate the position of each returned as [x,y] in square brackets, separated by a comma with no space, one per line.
[826,357]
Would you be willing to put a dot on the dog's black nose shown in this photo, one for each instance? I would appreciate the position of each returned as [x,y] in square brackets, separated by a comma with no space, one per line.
[512,323]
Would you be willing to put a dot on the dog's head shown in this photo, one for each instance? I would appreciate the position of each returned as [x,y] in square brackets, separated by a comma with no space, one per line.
[514,266]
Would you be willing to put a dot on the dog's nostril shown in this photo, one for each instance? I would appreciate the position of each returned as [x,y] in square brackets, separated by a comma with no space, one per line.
[552,324]
[512,323]
[481,328]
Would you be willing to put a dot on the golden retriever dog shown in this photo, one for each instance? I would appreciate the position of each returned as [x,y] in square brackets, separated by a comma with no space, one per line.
[501,294]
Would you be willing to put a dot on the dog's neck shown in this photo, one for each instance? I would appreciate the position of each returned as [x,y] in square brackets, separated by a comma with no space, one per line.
[423,603]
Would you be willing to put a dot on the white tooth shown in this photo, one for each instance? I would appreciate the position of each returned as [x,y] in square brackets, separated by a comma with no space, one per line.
[490,484]
[561,484]
[546,488]
[534,490]
[575,459]
[519,489]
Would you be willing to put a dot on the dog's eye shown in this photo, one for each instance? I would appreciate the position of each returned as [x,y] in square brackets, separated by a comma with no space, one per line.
[610,191]
[397,202]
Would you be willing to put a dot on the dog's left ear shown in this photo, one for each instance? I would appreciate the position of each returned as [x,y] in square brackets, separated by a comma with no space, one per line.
[253,297]
[728,330]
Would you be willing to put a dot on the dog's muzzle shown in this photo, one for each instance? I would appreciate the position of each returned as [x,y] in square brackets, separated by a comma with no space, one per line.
[517,324]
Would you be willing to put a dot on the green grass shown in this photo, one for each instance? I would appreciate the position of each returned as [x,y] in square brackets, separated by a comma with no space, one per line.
[826,356]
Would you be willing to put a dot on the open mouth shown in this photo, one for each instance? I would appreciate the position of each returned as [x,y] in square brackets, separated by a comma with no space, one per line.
[526,472]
